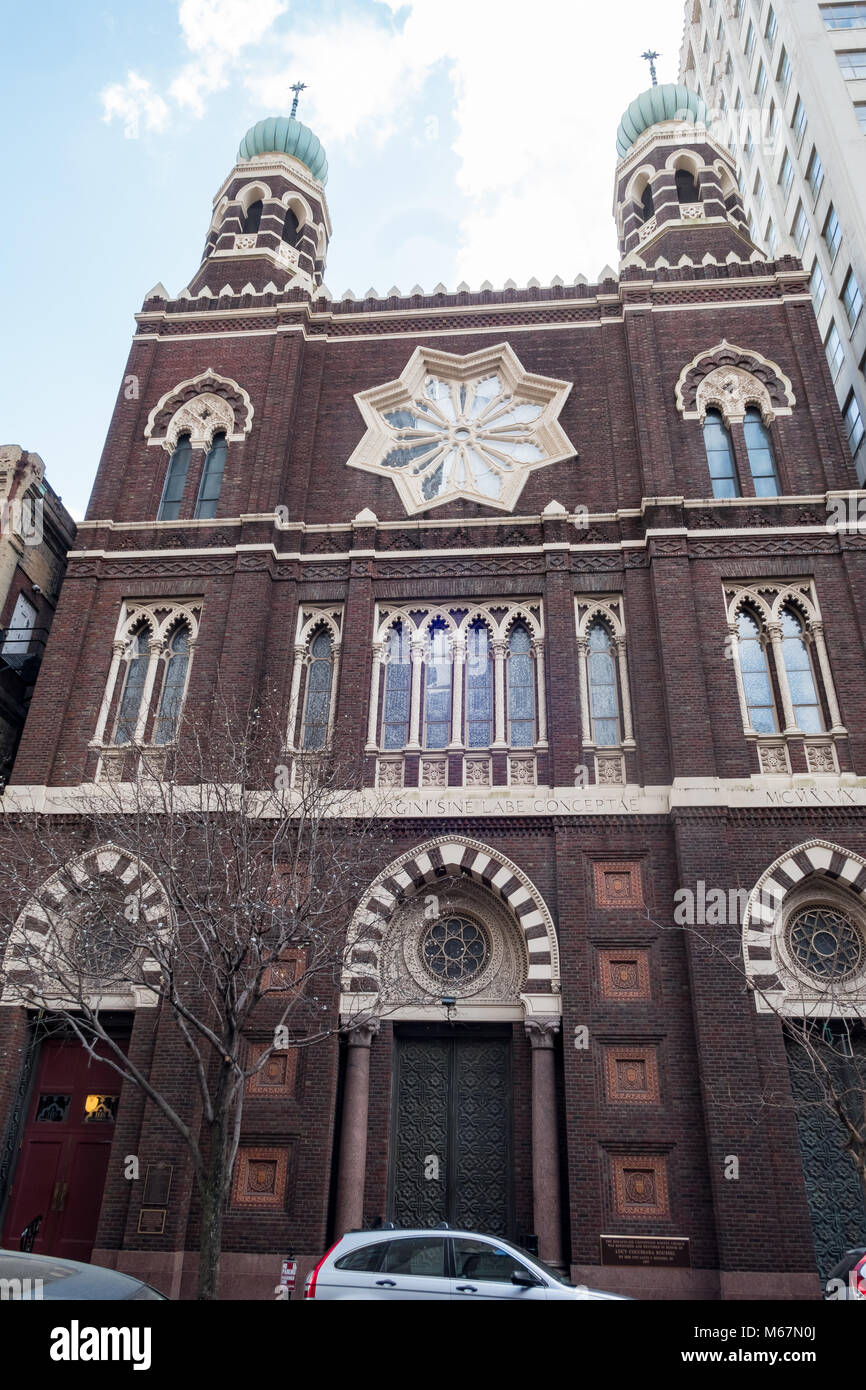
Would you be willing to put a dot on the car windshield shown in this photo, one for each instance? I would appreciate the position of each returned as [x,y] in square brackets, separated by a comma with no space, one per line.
[527,1255]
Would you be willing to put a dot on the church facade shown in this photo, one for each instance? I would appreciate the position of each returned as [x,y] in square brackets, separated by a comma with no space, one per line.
[573,567]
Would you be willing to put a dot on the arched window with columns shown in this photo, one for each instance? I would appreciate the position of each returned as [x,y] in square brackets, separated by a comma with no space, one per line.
[783,675]
[315,679]
[175,480]
[148,677]
[462,680]
[605,703]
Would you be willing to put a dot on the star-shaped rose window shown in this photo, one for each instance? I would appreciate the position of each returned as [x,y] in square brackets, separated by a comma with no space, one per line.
[473,427]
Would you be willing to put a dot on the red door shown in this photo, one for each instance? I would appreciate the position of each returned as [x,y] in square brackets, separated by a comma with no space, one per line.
[64,1152]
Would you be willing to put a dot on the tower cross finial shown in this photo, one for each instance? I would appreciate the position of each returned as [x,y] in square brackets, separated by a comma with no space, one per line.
[297,88]
[651,56]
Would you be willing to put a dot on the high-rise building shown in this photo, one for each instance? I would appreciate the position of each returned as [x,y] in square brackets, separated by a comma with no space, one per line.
[785,81]
[554,564]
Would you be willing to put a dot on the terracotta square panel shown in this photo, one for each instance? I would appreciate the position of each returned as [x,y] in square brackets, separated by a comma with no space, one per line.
[631,1075]
[624,974]
[277,1076]
[640,1186]
[260,1178]
[618,884]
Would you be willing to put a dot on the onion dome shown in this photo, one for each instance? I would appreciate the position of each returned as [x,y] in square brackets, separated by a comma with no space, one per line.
[668,102]
[285,135]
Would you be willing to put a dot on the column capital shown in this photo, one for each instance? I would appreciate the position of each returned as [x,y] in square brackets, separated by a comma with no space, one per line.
[361,1031]
[542,1031]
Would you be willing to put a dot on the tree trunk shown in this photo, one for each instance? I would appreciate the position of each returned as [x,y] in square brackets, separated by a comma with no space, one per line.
[213,1204]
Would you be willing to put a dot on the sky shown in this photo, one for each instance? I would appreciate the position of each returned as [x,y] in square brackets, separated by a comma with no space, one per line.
[467,140]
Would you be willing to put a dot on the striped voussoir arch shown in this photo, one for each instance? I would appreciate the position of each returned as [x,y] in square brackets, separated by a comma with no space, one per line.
[814,858]
[450,856]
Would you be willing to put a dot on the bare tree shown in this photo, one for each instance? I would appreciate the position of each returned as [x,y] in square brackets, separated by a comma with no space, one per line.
[217,886]
[822,1018]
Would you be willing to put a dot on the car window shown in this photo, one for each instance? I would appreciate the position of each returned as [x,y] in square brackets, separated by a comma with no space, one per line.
[475,1259]
[423,1255]
[365,1259]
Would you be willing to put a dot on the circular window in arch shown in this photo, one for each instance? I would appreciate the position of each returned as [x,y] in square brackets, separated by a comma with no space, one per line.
[825,942]
[455,949]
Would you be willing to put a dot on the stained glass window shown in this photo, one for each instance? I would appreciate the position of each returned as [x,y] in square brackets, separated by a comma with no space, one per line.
[521,688]
[318,701]
[826,942]
[755,671]
[437,688]
[174,681]
[398,684]
[133,687]
[602,679]
[479,688]
[455,949]
[175,480]
[801,681]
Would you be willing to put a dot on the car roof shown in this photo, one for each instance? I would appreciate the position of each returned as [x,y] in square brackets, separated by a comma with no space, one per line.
[68,1278]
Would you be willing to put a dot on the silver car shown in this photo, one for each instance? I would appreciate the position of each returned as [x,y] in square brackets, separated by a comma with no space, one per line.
[436,1264]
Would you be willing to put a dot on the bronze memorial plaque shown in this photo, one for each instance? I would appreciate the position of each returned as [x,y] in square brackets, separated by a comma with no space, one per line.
[670,1252]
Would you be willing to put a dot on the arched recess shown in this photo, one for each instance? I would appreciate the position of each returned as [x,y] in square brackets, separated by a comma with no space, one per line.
[731,378]
[815,874]
[201,407]
[468,876]
[41,965]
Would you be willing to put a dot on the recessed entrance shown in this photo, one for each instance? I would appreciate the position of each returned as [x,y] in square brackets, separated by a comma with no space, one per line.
[451,1135]
[64,1153]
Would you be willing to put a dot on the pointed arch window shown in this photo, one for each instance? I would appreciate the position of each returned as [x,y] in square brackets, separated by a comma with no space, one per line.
[437,688]
[479,687]
[290,228]
[211,478]
[720,456]
[397,693]
[755,670]
[173,686]
[253,217]
[760,450]
[317,704]
[175,481]
[521,688]
[801,678]
[133,687]
[602,684]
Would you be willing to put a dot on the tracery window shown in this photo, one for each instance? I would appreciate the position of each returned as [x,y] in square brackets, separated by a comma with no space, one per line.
[315,677]
[783,674]
[465,680]
[147,679]
[605,703]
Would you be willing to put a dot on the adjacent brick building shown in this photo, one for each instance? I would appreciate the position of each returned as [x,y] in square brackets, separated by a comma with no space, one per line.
[557,560]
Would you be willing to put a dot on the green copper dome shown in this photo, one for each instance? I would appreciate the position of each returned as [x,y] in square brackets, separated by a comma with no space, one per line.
[285,135]
[669,102]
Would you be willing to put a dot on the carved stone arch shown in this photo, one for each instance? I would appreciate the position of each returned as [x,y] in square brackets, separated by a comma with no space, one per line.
[436,614]
[218,214]
[727,182]
[174,619]
[517,615]
[41,938]
[299,206]
[482,615]
[638,182]
[796,599]
[605,612]
[448,860]
[321,242]
[201,407]
[814,872]
[730,378]
[397,615]
[686,159]
[251,193]
[749,598]
[137,618]
[317,623]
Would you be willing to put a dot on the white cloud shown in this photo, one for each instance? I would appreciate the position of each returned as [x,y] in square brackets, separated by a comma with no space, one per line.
[217,31]
[135,104]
